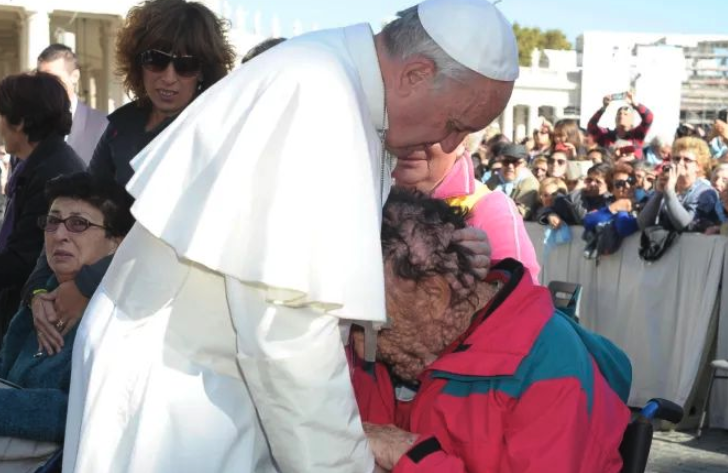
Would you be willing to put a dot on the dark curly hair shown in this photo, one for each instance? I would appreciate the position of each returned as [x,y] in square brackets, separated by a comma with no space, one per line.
[37,100]
[106,195]
[177,27]
[417,240]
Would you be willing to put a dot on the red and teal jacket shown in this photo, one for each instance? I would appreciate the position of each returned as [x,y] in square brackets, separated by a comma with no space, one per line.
[523,390]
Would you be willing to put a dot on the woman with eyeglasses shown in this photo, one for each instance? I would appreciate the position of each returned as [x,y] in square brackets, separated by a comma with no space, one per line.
[621,184]
[85,221]
[168,52]
[687,201]
[35,116]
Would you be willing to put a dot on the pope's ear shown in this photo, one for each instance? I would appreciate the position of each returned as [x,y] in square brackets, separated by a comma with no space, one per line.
[416,74]
[438,293]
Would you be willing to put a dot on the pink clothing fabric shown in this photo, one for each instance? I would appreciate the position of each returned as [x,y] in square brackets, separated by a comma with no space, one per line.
[495,214]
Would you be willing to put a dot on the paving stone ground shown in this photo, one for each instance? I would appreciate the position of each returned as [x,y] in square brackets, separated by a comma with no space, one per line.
[681,452]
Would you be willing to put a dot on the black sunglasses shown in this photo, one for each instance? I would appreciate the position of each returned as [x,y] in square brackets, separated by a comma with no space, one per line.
[155,60]
[73,224]
[621,183]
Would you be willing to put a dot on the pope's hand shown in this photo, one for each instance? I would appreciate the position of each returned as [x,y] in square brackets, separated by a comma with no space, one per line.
[476,241]
[388,443]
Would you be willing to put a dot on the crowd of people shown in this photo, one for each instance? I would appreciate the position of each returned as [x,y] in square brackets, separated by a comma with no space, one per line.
[609,180]
[176,279]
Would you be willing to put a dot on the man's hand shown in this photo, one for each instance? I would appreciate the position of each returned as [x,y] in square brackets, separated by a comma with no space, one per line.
[476,241]
[388,443]
[45,319]
[606,101]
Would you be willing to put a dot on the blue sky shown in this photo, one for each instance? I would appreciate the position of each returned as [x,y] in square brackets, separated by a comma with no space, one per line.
[571,16]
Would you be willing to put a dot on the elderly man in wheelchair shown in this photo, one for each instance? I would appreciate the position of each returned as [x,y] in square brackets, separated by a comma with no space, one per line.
[481,376]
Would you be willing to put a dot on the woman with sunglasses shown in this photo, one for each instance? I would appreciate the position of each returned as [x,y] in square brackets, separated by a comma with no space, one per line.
[35,116]
[85,221]
[620,182]
[687,201]
[168,53]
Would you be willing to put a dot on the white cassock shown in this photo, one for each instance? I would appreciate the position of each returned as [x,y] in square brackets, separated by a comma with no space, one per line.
[212,344]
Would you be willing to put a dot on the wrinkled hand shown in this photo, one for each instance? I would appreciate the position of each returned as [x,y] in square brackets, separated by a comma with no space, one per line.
[476,241]
[45,319]
[388,443]
[606,100]
[55,314]
[70,305]
[554,221]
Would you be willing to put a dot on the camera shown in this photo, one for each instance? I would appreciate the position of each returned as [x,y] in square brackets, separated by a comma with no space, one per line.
[723,115]
[619,96]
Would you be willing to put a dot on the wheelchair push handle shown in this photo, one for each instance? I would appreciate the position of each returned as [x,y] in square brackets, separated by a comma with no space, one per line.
[662,409]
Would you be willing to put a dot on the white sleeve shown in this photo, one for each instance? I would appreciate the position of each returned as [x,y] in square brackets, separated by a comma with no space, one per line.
[294,365]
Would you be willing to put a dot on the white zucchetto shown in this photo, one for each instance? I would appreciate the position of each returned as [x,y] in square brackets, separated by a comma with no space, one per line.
[475,34]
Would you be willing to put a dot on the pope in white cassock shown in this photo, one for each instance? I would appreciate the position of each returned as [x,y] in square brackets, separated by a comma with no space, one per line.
[213,342]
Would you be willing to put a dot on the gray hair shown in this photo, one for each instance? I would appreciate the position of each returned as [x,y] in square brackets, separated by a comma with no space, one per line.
[661,140]
[406,37]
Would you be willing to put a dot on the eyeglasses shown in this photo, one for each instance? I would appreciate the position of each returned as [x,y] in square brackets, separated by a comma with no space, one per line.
[560,162]
[622,183]
[685,159]
[511,161]
[155,60]
[73,224]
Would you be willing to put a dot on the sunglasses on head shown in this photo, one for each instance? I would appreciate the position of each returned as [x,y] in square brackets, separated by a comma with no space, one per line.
[155,60]
[74,223]
[622,183]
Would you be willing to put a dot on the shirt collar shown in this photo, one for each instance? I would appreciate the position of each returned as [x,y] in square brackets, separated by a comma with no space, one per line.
[360,43]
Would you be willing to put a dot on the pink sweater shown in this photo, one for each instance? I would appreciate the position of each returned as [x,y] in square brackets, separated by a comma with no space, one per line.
[495,214]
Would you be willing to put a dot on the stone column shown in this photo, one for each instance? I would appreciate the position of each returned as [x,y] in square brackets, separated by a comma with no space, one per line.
[36,37]
[533,121]
[507,115]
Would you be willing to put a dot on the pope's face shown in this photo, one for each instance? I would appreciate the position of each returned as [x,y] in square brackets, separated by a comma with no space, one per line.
[424,115]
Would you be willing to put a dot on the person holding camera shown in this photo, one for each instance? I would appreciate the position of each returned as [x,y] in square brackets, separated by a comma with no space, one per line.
[684,200]
[624,121]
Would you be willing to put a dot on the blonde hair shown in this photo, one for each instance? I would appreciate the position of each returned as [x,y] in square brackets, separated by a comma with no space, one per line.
[696,146]
[557,181]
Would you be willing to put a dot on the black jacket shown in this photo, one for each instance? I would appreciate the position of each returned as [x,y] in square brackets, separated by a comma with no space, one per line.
[123,139]
[51,158]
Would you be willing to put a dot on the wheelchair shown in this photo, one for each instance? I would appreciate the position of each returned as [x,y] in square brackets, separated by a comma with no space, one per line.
[637,440]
